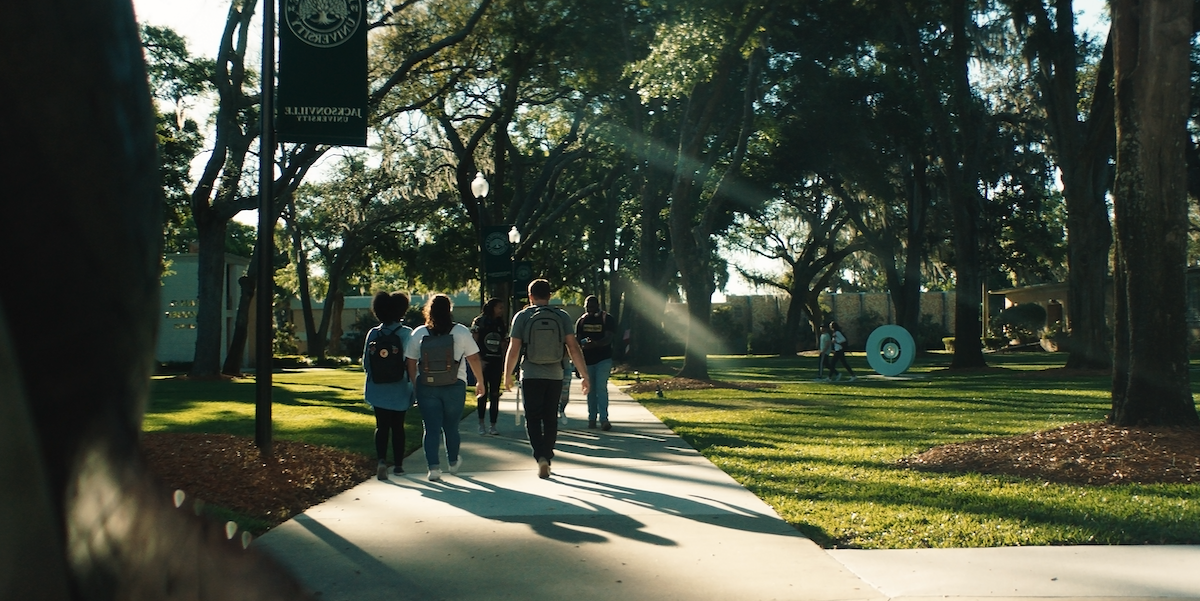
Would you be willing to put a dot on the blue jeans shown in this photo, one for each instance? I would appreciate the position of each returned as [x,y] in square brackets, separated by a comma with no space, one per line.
[441,409]
[597,397]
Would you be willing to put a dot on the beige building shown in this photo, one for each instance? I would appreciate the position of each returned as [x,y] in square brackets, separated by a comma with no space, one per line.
[177,331]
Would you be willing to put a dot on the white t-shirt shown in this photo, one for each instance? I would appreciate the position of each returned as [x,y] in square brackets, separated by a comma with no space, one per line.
[464,346]
[839,340]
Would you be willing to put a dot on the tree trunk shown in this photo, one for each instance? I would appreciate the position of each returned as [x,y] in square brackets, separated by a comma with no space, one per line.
[210,302]
[83,517]
[237,338]
[1150,363]
[957,128]
[697,277]
[1082,150]
[795,313]
[700,339]
[1089,239]
[334,303]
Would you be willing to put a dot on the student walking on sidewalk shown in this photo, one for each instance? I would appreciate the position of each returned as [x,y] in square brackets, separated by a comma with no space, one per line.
[595,331]
[540,336]
[436,354]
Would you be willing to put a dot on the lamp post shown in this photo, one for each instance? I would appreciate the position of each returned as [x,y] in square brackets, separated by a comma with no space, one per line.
[479,189]
[514,238]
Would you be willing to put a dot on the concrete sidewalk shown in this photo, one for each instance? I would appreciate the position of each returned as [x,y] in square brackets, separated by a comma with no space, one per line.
[637,513]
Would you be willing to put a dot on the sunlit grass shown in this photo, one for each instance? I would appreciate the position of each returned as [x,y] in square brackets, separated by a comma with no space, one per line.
[317,406]
[824,455]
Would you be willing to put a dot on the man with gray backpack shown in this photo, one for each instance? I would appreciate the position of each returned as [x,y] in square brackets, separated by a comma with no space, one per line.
[540,336]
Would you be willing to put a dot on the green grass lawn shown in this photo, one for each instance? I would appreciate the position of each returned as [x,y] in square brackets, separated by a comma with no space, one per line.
[823,455]
[317,406]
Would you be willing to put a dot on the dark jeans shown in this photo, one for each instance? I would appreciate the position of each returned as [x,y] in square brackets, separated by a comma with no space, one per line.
[493,372]
[541,415]
[838,356]
[389,421]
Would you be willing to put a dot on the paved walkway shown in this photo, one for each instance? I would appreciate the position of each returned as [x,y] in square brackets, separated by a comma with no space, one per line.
[637,513]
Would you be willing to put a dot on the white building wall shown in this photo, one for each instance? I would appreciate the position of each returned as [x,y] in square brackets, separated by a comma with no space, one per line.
[177,331]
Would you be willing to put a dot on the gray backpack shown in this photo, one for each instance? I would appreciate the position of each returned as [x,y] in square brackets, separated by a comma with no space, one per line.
[544,338]
[438,366]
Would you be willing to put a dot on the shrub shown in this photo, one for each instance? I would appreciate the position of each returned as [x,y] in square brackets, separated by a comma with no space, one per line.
[354,338]
[286,342]
[864,324]
[727,327]
[1021,322]
[772,339]
[291,361]
[930,334]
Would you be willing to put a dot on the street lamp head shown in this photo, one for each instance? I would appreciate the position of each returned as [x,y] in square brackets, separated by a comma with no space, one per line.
[514,236]
[479,186]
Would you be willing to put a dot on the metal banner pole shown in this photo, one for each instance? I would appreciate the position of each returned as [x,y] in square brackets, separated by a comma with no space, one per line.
[264,330]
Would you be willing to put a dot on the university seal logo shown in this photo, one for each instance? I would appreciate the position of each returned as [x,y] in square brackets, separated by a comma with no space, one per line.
[323,23]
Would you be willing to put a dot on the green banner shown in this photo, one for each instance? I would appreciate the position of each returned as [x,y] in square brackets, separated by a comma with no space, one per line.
[522,275]
[497,253]
[322,72]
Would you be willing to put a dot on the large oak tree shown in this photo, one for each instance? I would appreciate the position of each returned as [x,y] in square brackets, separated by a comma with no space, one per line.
[1151,46]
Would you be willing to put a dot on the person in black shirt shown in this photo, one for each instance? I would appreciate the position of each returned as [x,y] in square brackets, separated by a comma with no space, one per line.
[595,331]
[490,330]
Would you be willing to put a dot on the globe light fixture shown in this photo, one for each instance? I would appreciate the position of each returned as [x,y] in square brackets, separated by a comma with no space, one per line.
[479,186]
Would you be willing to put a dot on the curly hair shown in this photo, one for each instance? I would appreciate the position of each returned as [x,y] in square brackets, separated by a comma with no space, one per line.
[489,308]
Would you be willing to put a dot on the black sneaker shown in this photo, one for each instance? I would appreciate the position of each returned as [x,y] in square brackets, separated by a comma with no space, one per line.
[381,471]
[606,425]
[591,424]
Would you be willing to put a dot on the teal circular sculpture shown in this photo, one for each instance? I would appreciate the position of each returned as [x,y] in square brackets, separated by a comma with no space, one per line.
[890,350]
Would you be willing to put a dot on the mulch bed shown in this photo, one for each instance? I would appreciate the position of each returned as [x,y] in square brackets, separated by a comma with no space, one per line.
[1080,453]
[691,384]
[228,471]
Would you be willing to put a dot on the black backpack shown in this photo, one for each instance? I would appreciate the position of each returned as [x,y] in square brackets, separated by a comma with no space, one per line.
[386,354]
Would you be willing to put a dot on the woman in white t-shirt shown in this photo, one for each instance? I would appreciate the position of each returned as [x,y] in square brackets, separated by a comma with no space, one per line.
[441,406]
[839,353]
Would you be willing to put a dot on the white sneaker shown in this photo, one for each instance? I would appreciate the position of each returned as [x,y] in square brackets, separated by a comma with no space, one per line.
[435,474]
[454,465]
[493,431]
[853,378]
[837,378]
[482,430]
[562,418]
[381,471]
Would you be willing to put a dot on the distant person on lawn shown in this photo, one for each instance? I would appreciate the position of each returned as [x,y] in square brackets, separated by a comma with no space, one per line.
[824,352]
[839,353]
[540,335]
[390,400]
